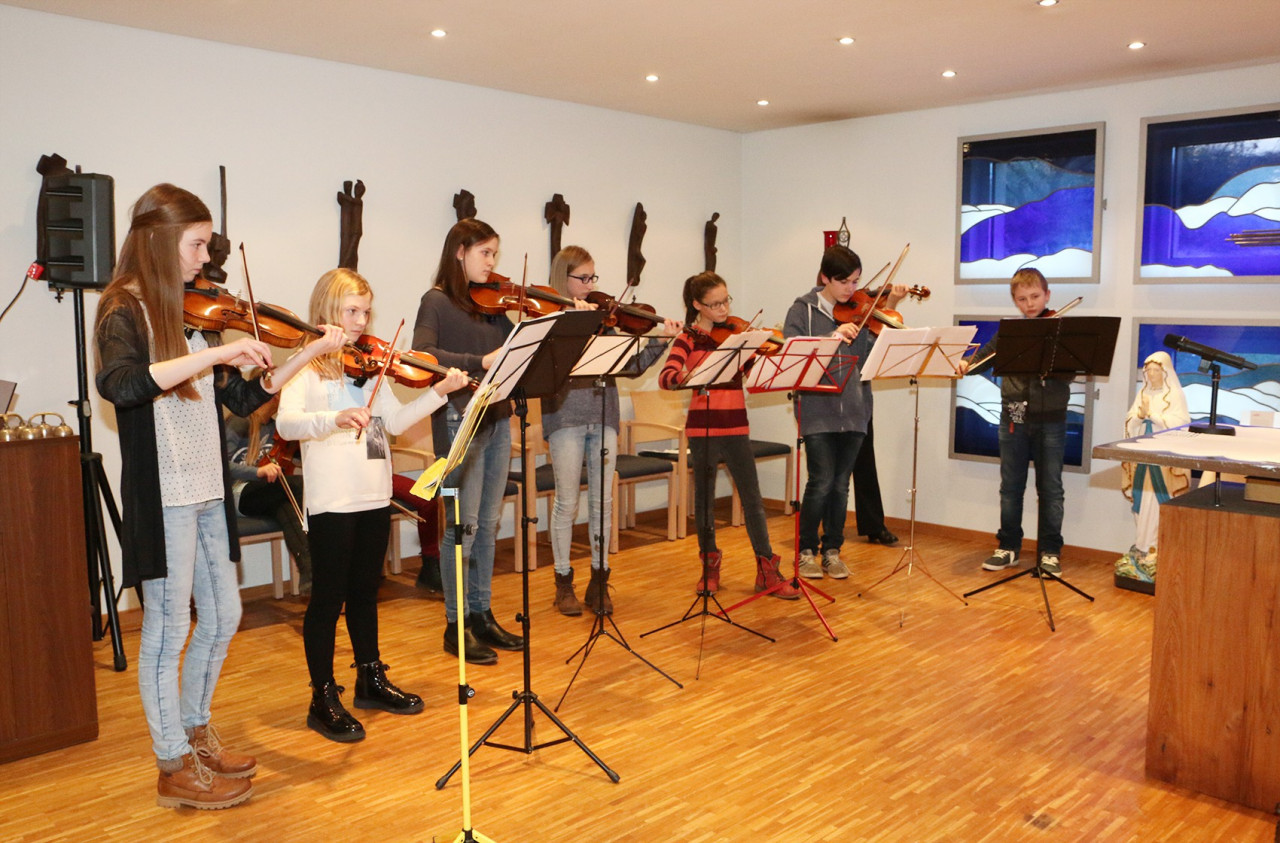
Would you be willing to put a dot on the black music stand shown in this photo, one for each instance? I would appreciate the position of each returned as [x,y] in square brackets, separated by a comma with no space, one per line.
[802,364]
[605,357]
[536,360]
[916,353]
[718,367]
[1079,345]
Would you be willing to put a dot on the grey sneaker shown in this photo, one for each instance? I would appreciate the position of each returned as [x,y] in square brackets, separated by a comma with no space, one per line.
[809,567]
[832,565]
[1050,564]
[1000,560]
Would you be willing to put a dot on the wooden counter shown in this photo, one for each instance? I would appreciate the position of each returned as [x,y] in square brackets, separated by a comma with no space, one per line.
[47,696]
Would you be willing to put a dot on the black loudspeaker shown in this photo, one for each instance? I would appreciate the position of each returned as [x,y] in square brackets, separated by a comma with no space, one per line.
[77,230]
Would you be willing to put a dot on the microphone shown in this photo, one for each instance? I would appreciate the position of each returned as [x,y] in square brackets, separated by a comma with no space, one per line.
[1206,353]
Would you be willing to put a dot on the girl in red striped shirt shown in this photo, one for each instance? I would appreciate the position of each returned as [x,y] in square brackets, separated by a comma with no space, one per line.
[718,432]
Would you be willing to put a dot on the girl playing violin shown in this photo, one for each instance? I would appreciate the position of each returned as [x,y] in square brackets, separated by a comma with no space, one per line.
[342,424]
[179,534]
[573,429]
[833,425]
[259,477]
[452,328]
[718,432]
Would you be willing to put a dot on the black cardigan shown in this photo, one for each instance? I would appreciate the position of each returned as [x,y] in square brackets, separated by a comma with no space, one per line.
[125,380]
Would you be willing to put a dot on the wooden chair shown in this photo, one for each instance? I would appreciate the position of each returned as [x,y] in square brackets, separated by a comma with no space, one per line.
[659,417]
[258,530]
[670,408]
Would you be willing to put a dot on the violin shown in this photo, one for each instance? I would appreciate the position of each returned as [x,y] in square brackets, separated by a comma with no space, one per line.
[862,309]
[365,358]
[635,318]
[282,454]
[721,331]
[499,295]
[208,307]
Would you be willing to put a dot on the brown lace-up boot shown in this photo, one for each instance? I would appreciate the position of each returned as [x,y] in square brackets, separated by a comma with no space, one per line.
[597,596]
[566,600]
[196,786]
[206,744]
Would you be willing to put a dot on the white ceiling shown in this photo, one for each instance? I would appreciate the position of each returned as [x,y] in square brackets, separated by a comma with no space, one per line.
[716,58]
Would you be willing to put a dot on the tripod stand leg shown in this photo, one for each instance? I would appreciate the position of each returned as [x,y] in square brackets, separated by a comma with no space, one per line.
[94,489]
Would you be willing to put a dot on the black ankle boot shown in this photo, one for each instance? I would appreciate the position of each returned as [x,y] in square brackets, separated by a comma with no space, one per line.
[374,690]
[477,652]
[328,717]
[429,576]
[486,628]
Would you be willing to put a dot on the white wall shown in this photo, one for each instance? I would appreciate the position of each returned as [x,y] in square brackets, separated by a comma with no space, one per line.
[144,108]
[894,177]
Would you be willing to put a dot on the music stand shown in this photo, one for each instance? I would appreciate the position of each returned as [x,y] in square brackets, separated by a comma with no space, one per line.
[606,356]
[719,366]
[534,361]
[803,363]
[916,353]
[1080,345]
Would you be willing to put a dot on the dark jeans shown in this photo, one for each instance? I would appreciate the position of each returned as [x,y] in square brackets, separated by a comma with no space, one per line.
[1020,445]
[867,505]
[830,458]
[706,453]
[347,551]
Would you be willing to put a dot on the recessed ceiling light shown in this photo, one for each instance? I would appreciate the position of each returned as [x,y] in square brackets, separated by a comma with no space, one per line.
[948,74]
[652,77]
[1047,2]
[438,33]
[846,40]
[1137,45]
[762,102]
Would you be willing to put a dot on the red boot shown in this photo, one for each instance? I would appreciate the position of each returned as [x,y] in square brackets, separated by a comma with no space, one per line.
[711,567]
[767,577]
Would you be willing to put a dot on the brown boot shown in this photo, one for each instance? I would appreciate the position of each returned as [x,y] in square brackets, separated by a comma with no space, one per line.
[711,566]
[566,600]
[767,576]
[234,765]
[597,596]
[196,786]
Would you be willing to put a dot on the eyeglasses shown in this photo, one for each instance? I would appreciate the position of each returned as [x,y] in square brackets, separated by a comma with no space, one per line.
[585,279]
[728,300]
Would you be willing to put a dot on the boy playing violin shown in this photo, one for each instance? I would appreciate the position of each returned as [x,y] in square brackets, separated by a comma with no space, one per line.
[832,424]
[1033,428]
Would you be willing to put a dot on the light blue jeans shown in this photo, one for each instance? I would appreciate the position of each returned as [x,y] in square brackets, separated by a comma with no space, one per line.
[481,481]
[198,557]
[568,446]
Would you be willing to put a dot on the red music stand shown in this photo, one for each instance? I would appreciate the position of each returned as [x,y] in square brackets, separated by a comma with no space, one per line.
[811,364]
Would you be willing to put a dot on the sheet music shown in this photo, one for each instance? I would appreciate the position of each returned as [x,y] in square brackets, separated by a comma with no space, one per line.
[717,367]
[790,367]
[918,352]
[606,354]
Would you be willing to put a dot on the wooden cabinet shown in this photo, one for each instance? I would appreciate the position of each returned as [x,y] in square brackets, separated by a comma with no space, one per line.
[47,694]
[1213,721]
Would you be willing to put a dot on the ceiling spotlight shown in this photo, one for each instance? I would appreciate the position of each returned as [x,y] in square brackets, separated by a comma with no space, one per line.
[846,40]
[1047,2]
[652,77]
[762,102]
[948,74]
[438,33]
[1137,45]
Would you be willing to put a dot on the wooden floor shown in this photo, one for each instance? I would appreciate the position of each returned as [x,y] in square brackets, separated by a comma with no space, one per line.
[964,723]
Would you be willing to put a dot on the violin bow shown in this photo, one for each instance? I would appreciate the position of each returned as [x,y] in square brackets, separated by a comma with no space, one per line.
[391,352]
[253,307]
[293,499]
[888,282]
[524,285]
[867,285]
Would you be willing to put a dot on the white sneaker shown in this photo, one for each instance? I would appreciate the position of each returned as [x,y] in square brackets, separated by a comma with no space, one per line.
[809,567]
[832,565]
[1050,564]
[1000,560]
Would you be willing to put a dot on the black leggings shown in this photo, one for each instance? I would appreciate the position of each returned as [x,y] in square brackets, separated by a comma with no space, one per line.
[347,551]
[706,452]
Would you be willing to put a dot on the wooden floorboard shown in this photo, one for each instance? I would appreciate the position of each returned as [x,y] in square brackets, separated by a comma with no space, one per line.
[928,720]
